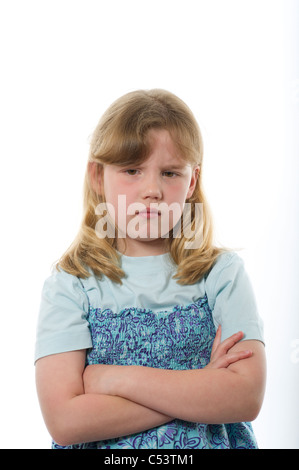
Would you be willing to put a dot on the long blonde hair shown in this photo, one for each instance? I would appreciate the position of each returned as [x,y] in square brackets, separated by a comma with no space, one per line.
[120,138]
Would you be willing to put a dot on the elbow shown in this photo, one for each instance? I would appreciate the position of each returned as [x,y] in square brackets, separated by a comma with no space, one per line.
[247,402]
[252,404]
[253,409]
[62,428]
[249,414]
[61,435]
[60,440]
[63,442]
[245,411]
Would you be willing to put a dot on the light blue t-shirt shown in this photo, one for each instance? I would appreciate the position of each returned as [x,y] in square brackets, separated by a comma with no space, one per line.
[67,300]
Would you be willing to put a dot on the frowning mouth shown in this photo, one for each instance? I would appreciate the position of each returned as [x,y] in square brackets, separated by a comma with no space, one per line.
[148,213]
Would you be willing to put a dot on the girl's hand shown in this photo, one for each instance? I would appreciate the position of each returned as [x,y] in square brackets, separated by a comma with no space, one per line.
[221,358]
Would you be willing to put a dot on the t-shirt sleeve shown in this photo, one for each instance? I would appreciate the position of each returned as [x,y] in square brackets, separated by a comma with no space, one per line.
[62,322]
[232,299]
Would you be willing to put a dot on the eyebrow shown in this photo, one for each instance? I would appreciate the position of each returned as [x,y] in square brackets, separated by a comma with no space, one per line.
[165,167]
[175,167]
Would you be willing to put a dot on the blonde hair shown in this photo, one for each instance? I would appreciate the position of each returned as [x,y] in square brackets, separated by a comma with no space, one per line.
[121,138]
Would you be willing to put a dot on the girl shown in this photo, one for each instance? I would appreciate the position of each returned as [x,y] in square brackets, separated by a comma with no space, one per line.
[138,340]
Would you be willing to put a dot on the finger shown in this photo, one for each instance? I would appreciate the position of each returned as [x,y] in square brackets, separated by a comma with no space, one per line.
[228,343]
[228,359]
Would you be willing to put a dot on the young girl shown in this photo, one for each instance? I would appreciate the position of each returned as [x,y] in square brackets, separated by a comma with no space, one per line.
[138,339]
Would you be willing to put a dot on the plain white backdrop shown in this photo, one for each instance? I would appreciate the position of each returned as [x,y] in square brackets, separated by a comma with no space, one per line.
[235,63]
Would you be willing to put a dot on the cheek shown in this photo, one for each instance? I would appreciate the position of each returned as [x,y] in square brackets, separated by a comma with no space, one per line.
[129,193]
[178,193]
[120,195]
[112,188]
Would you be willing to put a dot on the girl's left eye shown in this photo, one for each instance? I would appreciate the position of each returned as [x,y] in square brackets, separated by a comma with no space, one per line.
[169,174]
[131,171]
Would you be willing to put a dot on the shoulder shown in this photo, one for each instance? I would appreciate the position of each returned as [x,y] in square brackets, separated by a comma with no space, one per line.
[62,320]
[231,297]
[61,285]
[59,276]
[227,264]
[227,258]
[227,280]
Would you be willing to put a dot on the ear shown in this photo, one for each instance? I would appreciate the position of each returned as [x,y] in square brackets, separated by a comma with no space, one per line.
[193,181]
[95,176]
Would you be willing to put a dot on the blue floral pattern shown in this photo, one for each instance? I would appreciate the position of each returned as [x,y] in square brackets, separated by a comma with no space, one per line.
[178,339]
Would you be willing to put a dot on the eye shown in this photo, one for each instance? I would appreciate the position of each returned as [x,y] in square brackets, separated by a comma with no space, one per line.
[169,174]
[131,171]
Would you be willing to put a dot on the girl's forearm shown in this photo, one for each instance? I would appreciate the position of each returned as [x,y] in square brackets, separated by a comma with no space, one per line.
[95,417]
[230,389]
[206,396]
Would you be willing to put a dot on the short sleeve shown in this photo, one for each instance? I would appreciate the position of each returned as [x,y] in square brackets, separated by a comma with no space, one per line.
[62,322]
[231,298]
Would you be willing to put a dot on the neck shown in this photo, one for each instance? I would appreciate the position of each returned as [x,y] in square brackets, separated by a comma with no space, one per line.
[137,248]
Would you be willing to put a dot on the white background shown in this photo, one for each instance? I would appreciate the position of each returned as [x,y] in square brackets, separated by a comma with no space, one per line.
[235,63]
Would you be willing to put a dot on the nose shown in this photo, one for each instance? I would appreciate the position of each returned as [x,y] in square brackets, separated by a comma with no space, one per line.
[152,188]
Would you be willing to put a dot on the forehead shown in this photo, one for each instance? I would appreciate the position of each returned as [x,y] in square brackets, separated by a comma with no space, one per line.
[160,138]
[161,146]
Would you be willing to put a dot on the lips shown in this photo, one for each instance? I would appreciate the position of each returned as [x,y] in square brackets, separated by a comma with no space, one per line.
[149,213]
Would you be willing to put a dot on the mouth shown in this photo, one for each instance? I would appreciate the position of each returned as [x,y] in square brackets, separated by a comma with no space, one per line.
[149,213]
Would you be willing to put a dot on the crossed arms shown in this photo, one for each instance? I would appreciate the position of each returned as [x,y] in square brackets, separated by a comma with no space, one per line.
[101,402]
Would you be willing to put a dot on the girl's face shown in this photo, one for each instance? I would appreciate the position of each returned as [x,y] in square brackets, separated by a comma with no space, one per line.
[148,199]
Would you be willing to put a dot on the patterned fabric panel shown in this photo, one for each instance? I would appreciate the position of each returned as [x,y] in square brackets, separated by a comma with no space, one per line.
[179,339]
